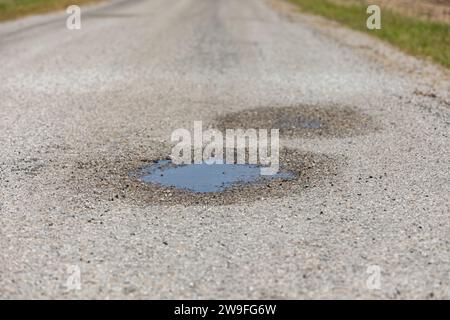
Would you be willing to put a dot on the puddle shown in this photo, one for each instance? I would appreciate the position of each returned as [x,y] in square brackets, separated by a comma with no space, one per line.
[121,178]
[298,123]
[204,178]
[301,121]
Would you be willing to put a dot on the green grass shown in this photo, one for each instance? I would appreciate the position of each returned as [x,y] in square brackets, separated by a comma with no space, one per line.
[11,9]
[413,35]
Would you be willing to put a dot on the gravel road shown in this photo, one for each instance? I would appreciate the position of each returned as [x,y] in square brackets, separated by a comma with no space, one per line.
[81,109]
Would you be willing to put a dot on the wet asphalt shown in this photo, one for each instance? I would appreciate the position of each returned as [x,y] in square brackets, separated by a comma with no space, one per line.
[364,127]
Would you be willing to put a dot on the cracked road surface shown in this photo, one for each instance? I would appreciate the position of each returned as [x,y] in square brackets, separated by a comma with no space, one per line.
[80,109]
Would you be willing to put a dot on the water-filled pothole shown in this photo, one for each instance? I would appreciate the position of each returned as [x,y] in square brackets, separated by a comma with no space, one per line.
[116,177]
[301,121]
[290,123]
[207,178]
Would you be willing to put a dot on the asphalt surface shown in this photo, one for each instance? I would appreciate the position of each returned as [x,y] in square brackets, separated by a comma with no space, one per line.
[81,109]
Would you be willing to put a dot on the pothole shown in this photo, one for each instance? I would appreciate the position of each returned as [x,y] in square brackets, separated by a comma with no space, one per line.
[301,121]
[119,178]
[288,123]
[188,185]
[207,178]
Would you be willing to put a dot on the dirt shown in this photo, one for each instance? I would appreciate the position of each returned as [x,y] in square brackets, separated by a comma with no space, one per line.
[302,121]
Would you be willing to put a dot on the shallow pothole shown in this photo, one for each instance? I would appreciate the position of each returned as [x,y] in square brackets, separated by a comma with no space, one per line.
[102,178]
[298,172]
[301,121]
[206,178]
